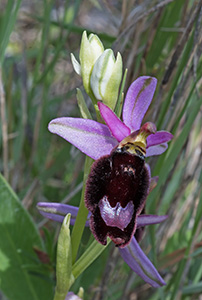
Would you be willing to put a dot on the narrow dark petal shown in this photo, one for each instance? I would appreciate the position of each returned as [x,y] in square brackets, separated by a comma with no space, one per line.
[140,264]
[92,138]
[54,217]
[144,220]
[57,208]
[153,183]
[57,211]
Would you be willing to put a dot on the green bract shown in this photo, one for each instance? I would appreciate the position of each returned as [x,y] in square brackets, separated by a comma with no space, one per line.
[64,261]
[106,78]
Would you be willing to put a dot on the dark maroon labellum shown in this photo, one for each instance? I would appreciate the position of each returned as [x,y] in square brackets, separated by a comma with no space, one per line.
[116,191]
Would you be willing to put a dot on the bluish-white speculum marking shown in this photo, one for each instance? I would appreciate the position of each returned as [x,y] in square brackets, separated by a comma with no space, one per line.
[117,216]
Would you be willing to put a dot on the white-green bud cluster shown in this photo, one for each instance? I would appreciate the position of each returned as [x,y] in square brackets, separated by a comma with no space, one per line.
[100,71]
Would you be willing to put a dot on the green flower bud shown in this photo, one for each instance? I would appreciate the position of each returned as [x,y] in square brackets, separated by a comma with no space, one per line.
[64,261]
[106,78]
[91,48]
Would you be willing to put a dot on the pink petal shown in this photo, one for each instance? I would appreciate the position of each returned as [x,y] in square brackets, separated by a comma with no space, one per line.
[156,150]
[92,138]
[158,138]
[137,101]
[118,129]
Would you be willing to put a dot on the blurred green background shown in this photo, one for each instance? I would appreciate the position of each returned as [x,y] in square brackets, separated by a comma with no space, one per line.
[37,83]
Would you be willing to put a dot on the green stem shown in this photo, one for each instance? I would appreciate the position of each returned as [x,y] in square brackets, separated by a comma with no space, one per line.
[59,296]
[93,251]
[119,103]
[82,214]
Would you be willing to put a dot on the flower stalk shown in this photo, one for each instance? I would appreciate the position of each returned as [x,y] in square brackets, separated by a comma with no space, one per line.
[82,214]
[88,257]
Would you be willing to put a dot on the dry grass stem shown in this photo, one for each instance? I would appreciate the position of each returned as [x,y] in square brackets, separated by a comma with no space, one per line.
[4,126]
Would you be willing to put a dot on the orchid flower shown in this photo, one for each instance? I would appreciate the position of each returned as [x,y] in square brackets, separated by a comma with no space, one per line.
[107,143]
[128,142]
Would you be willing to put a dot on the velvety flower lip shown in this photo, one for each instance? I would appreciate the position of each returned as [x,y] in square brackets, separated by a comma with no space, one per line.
[132,254]
[96,139]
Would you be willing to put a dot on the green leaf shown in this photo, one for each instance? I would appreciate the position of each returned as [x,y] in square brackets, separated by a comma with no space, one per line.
[7,27]
[175,81]
[20,269]
[169,17]
[192,289]
[82,214]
